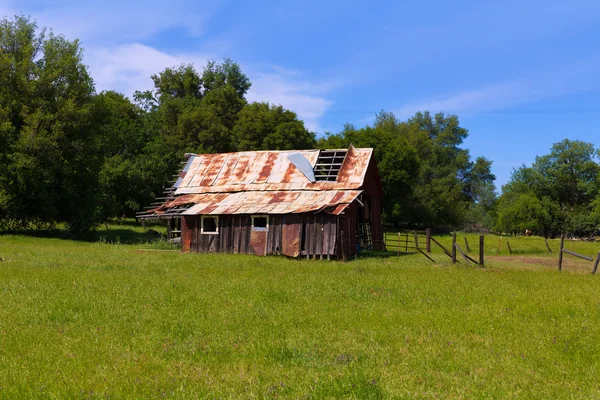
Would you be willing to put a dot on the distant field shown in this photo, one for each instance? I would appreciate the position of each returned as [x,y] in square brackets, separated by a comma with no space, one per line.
[97,320]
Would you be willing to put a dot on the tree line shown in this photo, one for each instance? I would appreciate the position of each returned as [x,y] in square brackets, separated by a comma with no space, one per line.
[74,156]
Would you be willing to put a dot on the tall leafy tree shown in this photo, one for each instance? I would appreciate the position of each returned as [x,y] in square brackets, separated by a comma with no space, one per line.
[260,126]
[564,182]
[429,180]
[50,153]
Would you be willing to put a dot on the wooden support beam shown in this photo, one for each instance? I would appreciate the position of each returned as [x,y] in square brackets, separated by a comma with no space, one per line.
[509,249]
[428,240]
[453,248]
[560,252]
[465,256]
[441,246]
[467,245]
[577,255]
[425,254]
[481,249]
[595,268]
[547,246]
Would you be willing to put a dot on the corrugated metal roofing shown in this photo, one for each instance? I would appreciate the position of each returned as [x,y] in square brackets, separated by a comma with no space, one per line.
[266,171]
[263,182]
[271,202]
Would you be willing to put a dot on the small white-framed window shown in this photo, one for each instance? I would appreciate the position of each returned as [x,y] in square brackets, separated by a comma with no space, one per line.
[260,222]
[209,225]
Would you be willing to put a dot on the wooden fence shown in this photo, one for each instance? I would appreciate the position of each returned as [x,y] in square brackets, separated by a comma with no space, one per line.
[414,240]
[575,254]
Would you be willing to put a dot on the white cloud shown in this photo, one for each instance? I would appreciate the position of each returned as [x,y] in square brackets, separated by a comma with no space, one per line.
[127,68]
[290,90]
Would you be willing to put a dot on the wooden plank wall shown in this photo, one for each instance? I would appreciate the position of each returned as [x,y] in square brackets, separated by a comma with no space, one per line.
[235,232]
[321,235]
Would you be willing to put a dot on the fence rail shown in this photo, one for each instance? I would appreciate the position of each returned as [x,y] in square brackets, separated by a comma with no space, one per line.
[402,242]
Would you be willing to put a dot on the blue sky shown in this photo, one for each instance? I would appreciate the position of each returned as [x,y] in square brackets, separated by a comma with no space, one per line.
[521,75]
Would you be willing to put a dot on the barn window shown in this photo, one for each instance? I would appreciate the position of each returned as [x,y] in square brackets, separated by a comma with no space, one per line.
[210,225]
[260,222]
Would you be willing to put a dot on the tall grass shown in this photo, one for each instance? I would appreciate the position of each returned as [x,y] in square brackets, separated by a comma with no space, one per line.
[99,320]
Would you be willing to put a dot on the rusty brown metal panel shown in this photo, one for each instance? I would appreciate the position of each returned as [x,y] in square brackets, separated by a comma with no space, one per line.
[239,171]
[197,174]
[290,236]
[269,170]
[228,167]
[217,163]
[265,169]
[355,164]
[290,174]
[258,241]
[187,230]
[259,178]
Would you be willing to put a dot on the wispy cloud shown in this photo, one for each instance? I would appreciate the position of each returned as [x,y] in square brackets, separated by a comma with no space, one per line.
[115,21]
[294,91]
[127,68]
[575,78]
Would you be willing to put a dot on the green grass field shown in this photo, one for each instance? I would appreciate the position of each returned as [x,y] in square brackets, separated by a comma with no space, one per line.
[101,320]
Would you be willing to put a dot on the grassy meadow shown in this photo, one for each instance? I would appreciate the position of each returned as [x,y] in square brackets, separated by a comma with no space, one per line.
[106,319]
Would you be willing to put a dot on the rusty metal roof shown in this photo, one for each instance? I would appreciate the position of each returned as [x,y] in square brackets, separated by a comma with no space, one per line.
[263,182]
[253,202]
[266,171]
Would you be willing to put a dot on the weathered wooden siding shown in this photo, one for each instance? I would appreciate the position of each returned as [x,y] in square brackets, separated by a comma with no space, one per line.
[321,235]
[284,235]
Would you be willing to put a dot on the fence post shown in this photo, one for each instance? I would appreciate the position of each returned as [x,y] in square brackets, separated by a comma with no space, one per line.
[596,263]
[416,240]
[560,252]
[509,249]
[467,245]
[453,247]
[406,244]
[547,245]
[398,244]
[428,240]
[481,242]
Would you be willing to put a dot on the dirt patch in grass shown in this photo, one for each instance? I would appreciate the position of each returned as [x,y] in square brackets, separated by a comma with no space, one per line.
[535,262]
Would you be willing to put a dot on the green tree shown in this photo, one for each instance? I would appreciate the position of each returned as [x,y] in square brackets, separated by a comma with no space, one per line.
[428,179]
[261,126]
[565,183]
[50,153]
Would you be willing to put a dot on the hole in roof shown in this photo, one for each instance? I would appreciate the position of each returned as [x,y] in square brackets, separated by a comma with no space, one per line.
[329,164]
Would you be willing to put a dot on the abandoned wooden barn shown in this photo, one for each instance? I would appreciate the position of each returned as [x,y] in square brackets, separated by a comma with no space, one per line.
[306,203]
